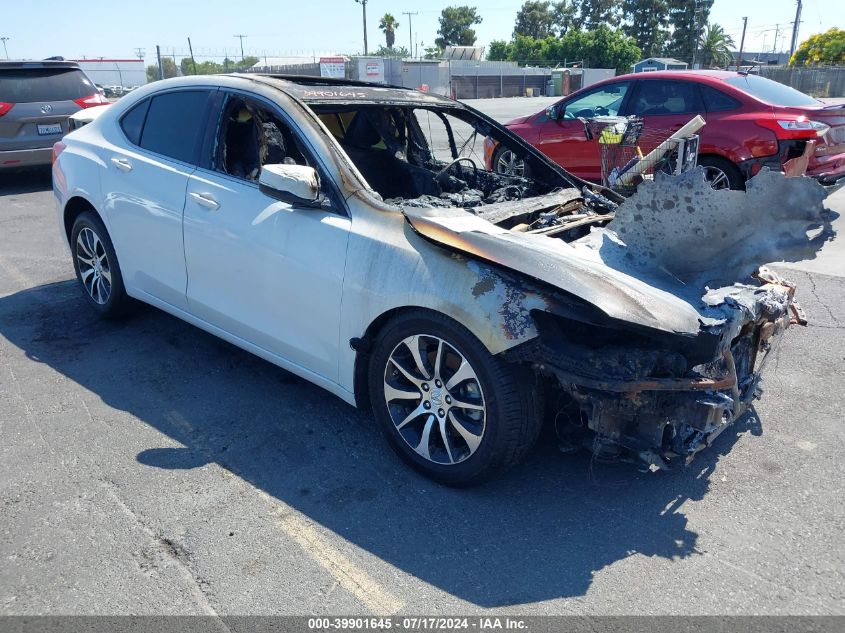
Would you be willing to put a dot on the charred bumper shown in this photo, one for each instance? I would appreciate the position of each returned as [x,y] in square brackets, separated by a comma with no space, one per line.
[659,400]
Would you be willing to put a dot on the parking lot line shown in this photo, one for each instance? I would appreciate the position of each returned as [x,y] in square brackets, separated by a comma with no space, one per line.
[304,533]
[12,272]
[351,577]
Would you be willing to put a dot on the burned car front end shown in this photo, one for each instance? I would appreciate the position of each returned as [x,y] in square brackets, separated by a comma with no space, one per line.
[649,320]
[652,397]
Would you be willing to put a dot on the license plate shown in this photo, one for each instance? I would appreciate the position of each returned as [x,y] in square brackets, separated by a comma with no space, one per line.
[51,128]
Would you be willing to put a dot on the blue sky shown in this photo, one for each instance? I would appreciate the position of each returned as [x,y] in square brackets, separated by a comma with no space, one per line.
[105,28]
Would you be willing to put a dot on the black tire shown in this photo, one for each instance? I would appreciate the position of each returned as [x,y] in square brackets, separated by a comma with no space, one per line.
[521,169]
[116,302]
[715,164]
[511,394]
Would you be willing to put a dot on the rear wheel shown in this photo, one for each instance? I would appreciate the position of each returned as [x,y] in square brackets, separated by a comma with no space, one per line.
[96,266]
[449,408]
[721,173]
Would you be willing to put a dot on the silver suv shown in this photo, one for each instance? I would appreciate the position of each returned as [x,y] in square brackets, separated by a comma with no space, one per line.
[36,99]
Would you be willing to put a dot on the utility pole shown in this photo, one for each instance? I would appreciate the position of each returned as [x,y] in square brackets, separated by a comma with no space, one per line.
[139,53]
[741,43]
[160,67]
[241,38]
[191,51]
[410,31]
[363,4]
[795,24]
[775,45]
[5,39]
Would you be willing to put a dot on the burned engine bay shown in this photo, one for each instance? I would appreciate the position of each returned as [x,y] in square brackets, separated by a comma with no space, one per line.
[650,319]
[412,166]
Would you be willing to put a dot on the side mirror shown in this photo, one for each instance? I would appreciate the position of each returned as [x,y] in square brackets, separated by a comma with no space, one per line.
[294,184]
[553,112]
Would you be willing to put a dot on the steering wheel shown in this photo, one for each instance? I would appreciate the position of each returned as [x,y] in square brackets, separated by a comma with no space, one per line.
[459,159]
[602,111]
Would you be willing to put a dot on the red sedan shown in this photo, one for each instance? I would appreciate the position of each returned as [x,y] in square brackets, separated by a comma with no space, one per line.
[751,122]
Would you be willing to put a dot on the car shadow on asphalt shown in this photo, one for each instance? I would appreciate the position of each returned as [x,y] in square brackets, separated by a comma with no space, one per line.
[539,532]
[32,180]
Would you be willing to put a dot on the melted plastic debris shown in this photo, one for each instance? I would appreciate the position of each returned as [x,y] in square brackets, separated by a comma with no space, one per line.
[682,227]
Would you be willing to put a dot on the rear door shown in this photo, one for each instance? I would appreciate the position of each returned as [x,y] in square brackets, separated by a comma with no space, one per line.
[564,139]
[665,105]
[143,185]
[38,102]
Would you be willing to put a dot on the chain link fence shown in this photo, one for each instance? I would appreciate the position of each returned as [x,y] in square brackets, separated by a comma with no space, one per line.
[817,82]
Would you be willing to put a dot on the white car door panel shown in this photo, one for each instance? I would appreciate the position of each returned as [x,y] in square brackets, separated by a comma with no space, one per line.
[145,176]
[264,270]
[144,201]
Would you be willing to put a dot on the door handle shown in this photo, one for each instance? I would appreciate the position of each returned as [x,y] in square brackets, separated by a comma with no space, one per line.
[205,200]
[122,164]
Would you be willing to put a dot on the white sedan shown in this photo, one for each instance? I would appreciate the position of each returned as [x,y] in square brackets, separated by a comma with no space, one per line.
[349,233]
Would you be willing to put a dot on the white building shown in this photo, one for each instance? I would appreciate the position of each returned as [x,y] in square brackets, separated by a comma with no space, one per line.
[114,72]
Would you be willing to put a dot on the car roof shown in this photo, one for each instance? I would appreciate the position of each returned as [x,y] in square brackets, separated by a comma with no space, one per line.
[41,63]
[717,75]
[328,91]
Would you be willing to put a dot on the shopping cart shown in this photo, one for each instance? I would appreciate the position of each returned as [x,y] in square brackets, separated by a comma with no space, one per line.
[626,152]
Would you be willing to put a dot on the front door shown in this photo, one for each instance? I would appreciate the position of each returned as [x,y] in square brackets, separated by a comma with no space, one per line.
[564,138]
[268,272]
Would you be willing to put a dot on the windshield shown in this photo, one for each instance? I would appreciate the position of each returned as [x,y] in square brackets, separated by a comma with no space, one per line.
[771,92]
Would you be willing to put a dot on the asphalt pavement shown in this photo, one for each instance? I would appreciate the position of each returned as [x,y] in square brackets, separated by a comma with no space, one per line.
[147,467]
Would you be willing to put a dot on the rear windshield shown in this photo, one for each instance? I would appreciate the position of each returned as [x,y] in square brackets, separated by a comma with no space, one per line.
[771,91]
[28,85]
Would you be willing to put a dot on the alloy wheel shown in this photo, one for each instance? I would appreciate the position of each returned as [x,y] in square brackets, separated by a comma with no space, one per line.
[94,268]
[509,164]
[717,178]
[435,399]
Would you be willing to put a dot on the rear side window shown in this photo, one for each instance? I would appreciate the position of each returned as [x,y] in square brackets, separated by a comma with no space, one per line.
[716,100]
[656,97]
[31,85]
[771,92]
[133,121]
[173,124]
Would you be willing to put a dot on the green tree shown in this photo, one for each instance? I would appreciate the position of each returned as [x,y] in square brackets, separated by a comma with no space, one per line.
[592,13]
[534,19]
[499,50]
[388,25]
[392,51]
[646,22]
[821,48]
[715,47]
[433,52]
[169,70]
[455,23]
[687,18]
[564,14]
[528,50]
[603,47]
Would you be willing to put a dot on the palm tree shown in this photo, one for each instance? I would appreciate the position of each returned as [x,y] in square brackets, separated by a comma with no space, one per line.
[388,24]
[716,46]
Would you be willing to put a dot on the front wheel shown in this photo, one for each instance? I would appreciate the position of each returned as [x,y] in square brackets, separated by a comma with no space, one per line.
[505,162]
[96,266]
[447,406]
